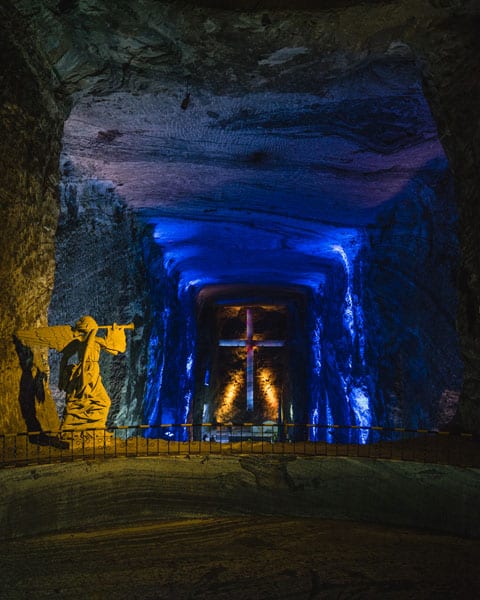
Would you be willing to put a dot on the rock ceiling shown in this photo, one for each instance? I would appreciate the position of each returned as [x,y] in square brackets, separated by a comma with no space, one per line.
[258,142]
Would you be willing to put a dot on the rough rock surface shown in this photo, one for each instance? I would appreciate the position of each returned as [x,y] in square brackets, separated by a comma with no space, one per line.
[31,124]
[113,493]
[243,557]
[271,144]
[100,272]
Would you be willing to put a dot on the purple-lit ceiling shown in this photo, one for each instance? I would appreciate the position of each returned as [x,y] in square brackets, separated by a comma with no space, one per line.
[266,184]
[300,124]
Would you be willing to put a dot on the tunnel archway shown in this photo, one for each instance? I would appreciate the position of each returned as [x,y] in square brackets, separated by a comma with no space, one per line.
[267,322]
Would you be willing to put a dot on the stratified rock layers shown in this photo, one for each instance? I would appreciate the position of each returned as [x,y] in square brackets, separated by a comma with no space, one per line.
[109,493]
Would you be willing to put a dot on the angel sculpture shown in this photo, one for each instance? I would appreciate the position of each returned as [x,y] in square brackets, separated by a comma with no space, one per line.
[87,402]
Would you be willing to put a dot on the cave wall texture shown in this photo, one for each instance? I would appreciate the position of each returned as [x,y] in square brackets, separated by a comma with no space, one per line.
[358,104]
[31,123]
[99,266]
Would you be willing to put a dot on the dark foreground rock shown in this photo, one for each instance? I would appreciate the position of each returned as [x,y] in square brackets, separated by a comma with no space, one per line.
[62,497]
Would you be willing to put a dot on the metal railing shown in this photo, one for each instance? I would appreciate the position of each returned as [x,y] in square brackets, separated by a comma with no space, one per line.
[419,445]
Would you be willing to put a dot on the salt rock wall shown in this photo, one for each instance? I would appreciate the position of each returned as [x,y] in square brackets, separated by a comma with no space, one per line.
[171,344]
[31,122]
[100,273]
[119,493]
[410,267]
[452,89]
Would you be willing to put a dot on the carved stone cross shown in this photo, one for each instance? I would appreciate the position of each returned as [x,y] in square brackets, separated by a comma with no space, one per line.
[250,343]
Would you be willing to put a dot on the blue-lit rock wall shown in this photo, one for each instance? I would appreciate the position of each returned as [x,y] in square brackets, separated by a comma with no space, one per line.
[171,347]
[410,273]
[342,382]
[384,346]
[375,343]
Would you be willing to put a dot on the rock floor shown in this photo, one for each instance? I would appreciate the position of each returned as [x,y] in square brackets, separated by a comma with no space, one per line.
[244,558]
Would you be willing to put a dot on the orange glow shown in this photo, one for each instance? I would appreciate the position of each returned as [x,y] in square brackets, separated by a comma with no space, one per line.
[270,393]
[224,412]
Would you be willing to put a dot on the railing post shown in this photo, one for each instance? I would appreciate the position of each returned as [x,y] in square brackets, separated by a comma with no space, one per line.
[27,439]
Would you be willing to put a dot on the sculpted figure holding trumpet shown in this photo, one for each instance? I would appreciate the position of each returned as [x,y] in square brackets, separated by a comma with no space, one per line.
[86,402]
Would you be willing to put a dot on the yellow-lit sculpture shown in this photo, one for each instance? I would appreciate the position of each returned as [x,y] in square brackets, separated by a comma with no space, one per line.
[87,402]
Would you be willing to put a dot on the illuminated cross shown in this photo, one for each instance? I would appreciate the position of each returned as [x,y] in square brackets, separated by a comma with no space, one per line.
[250,344]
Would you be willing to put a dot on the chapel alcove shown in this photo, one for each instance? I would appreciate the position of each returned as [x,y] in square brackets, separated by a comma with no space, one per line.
[252,352]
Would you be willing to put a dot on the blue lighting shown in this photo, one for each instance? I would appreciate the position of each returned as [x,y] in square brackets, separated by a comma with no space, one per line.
[241,233]
[348,318]
[329,419]
[360,403]
[317,346]
[353,317]
[338,392]
[315,419]
[206,379]
[339,383]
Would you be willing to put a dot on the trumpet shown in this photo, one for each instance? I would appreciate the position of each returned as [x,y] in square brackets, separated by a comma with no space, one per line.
[128,326]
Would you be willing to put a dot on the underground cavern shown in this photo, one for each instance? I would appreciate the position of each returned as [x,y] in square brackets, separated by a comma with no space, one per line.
[282,199]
